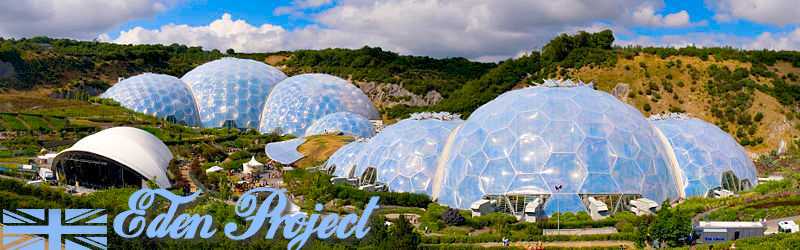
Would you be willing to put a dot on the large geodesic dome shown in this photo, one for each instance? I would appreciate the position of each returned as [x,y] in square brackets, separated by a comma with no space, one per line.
[708,157]
[344,122]
[532,140]
[159,95]
[341,163]
[295,103]
[404,155]
[231,90]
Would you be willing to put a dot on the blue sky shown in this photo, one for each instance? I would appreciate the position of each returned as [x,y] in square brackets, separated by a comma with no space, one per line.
[475,29]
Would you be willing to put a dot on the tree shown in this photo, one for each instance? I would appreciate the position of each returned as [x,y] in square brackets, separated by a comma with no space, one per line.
[230,52]
[403,235]
[378,233]
[671,227]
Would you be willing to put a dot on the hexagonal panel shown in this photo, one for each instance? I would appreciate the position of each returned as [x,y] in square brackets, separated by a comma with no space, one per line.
[563,169]
[595,154]
[627,175]
[497,176]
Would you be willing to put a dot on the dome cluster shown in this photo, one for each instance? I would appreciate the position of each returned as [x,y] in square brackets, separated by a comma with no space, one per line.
[243,93]
[561,141]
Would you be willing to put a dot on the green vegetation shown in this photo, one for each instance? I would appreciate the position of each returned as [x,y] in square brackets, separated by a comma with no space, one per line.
[316,186]
[417,74]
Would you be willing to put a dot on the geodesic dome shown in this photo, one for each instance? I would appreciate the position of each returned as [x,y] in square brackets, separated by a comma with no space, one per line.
[404,155]
[231,90]
[529,141]
[705,154]
[345,122]
[158,95]
[298,101]
[342,160]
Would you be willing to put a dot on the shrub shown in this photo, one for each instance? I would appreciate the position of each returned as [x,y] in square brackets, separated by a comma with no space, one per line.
[453,217]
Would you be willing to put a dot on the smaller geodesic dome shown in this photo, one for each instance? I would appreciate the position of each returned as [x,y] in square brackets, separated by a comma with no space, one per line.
[159,95]
[708,157]
[344,122]
[231,91]
[296,102]
[341,164]
[404,156]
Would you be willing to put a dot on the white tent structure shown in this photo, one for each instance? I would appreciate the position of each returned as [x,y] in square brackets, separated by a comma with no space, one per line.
[116,156]
[252,166]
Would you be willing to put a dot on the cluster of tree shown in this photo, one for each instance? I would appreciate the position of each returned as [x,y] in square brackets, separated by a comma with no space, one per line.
[418,74]
[48,61]
[670,227]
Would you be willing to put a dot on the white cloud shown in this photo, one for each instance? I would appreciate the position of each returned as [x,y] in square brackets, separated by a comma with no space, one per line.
[685,40]
[782,41]
[647,16]
[223,33]
[475,29]
[82,19]
[776,12]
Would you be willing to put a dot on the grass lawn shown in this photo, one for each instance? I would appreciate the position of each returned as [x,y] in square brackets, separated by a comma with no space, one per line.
[316,149]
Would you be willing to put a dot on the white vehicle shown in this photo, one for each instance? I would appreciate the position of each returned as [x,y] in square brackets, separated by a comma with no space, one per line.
[598,210]
[532,210]
[643,206]
[722,193]
[482,206]
[788,226]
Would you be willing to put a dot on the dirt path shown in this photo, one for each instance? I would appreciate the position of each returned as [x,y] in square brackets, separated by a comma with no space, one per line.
[186,176]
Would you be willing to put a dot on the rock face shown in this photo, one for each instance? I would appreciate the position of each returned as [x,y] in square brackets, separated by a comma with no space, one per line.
[388,95]
[621,91]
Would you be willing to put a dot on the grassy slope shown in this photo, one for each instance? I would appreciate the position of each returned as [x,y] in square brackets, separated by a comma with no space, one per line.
[318,148]
[773,128]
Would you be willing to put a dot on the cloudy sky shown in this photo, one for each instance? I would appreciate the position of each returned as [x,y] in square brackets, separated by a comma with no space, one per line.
[486,30]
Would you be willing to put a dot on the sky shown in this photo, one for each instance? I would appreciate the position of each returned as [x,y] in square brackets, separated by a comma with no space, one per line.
[482,30]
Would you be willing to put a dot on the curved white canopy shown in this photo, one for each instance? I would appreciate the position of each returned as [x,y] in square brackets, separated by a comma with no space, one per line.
[132,147]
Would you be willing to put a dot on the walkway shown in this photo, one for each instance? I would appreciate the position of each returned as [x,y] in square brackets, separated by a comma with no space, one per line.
[561,244]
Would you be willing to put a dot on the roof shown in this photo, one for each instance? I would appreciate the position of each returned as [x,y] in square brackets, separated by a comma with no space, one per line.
[213,169]
[132,147]
[254,163]
[730,224]
[285,152]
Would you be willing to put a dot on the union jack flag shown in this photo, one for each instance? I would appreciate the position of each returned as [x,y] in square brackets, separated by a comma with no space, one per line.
[29,229]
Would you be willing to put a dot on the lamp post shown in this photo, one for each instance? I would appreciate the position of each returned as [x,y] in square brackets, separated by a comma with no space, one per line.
[558,210]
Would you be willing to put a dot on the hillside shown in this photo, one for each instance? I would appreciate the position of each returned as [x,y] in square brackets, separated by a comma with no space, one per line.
[751,94]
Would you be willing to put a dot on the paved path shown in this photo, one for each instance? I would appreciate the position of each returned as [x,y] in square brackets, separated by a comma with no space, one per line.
[564,244]
[580,231]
